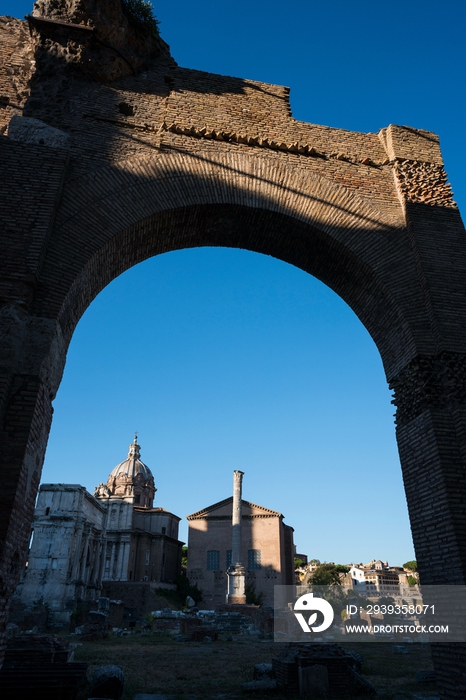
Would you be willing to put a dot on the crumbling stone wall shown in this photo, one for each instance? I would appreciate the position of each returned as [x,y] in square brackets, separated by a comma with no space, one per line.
[134,156]
[17,65]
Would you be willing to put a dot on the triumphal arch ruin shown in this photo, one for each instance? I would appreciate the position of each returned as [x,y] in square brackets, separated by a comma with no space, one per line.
[111,153]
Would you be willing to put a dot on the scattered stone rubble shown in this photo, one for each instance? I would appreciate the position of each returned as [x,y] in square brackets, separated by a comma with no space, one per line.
[96,627]
[40,667]
[312,670]
[197,624]
[325,669]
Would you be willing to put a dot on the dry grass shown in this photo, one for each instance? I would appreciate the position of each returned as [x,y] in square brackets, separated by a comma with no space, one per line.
[393,675]
[157,664]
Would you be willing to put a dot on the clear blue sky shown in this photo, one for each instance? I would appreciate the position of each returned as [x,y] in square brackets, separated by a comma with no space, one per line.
[227,359]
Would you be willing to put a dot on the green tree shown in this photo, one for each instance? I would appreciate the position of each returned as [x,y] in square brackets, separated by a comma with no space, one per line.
[298,563]
[315,562]
[140,14]
[184,588]
[253,598]
[326,575]
[184,559]
[411,565]
[412,581]
[341,568]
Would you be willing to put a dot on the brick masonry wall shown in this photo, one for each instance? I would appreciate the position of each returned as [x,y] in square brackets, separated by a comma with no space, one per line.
[263,533]
[169,158]
[138,596]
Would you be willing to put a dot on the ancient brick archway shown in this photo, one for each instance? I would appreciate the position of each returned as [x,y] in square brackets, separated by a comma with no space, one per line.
[111,154]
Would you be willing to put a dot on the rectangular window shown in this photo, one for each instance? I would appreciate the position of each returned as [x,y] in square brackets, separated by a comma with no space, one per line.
[164,530]
[147,556]
[213,560]
[228,557]
[254,559]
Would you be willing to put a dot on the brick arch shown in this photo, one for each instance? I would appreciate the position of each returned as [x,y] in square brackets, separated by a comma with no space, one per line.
[199,159]
[121,216]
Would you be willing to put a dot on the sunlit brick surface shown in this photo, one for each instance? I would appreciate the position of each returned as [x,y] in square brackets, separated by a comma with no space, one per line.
[153,157]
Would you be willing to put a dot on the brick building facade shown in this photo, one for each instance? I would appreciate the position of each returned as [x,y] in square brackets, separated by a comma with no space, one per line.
[267,550]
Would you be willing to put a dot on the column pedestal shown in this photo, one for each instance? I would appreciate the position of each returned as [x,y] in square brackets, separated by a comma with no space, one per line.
[236,585]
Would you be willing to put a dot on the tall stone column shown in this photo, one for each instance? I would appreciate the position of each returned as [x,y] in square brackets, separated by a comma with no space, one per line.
[236,517]
[102,559]
[236,572]
[83,572]
[122,561]
[119,554]
[112,562]
[125,561]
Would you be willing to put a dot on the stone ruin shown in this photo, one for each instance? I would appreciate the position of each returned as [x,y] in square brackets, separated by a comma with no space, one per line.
[153,157]
[321,670]
[41,667]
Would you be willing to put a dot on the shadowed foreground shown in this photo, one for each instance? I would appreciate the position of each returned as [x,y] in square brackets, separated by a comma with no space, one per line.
[158,664]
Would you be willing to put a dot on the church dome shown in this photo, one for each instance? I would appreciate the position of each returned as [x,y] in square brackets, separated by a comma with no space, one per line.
[132,479]
[132,465]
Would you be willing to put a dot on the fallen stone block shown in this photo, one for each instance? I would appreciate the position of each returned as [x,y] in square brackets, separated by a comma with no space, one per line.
[107,682]
[180,638]
[262,670]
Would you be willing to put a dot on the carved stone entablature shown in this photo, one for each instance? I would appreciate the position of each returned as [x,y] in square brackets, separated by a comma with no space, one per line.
[429,382]
[423,183]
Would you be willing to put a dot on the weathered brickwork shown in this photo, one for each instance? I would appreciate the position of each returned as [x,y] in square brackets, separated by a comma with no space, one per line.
[116,154]
[426,382]
[423,183]
[16,67]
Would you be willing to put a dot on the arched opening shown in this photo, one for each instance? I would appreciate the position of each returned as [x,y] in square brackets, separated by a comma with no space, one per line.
[243,361]
[324,248]
[319,227]
[323,495]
